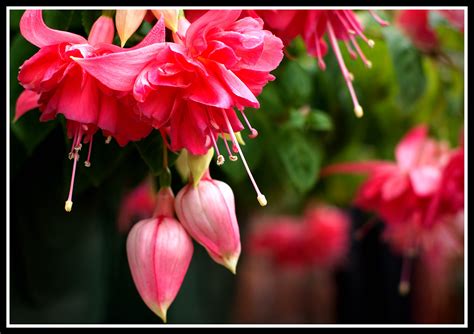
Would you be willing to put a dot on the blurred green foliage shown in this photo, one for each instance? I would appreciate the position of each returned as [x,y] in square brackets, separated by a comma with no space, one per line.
[72,268]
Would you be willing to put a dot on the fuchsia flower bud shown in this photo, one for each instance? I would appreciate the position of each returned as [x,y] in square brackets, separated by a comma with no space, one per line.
[159,253]
[207,211]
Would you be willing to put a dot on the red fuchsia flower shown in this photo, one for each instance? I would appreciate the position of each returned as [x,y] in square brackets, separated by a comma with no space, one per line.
[420,197]
[60,86]
[191,87]
[159,253]
[326,236]
[415,24]
[320,238]
[313,25]
[136,205]
[207,211]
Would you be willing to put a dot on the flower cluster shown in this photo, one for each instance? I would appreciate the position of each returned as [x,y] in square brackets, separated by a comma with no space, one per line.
[187,89]
[319,238]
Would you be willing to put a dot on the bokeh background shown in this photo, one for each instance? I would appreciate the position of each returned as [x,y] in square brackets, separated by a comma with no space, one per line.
[71,268]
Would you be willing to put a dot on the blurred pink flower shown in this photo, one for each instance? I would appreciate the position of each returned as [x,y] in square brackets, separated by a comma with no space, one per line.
[136,205]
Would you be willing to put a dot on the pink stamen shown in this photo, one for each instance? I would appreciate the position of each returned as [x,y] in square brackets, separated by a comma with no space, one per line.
[220,157]
[321,63]
[344,22]
[351,51]
[377,18]
[254,133]
[231,156]
[347,76]
[404,285]
[68,205]
[87,163]
[355,26]
[260,197]
[367,62]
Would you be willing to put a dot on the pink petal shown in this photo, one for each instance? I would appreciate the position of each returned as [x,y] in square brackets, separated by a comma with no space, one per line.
[36,32]
[408,150]
[26,101]
[155,35]
[119,70]
[425,180]
[358,167]
[102,31]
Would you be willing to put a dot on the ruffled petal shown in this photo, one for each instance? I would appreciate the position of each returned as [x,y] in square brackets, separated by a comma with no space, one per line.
[36,32]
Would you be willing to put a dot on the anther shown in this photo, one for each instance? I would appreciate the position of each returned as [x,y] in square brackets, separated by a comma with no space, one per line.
[68,206]
[233,158]
[220,160]
[371,43]
[108,139]
[359,112]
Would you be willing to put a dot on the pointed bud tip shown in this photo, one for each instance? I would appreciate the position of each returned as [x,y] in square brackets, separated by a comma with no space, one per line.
[68,206]
[359,112]
[262,200]
[404,288]
[161,312]
[231,263]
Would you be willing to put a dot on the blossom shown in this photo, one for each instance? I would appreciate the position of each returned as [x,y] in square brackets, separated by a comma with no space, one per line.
[419,196]
[159,252]
[313,26]
[190,88]
[415,24]
[207,211]
[319,238]
[60,86]
[136,205]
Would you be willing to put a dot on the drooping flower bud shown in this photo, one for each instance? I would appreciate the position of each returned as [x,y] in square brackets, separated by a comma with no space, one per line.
[127,22]
[102,31]
[207,211]
[159,253]
[171,17]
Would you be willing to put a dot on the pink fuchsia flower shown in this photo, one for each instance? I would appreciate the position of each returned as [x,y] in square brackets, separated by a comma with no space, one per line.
[136,205]
[326,235]
[62,87]
[189,89]
[415,24]
[280,239]
[313,25]
[408,194]
[207,211]
[159,253]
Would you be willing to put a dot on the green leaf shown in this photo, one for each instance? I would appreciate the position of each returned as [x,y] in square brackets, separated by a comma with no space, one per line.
[300,159]
[319,120]
[15,16]
[407,62]
[295,83]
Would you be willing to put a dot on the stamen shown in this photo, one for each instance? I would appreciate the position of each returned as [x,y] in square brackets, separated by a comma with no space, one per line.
[355,25]
[254,133]
[321,63]
[377,18]
[351,51]
[220,157]
[108,139]
[347,76]
[231,156]
[87,163]
[260,197]
[404,285]
[68,205]
[367,63]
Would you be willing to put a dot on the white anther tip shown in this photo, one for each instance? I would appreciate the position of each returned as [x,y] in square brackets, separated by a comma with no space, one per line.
[371,43]
[359,112]
[233,158]
[87,163]
[68,206]
[369,64]
[70,156]
[220,160]
[262,200]
[108,139]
